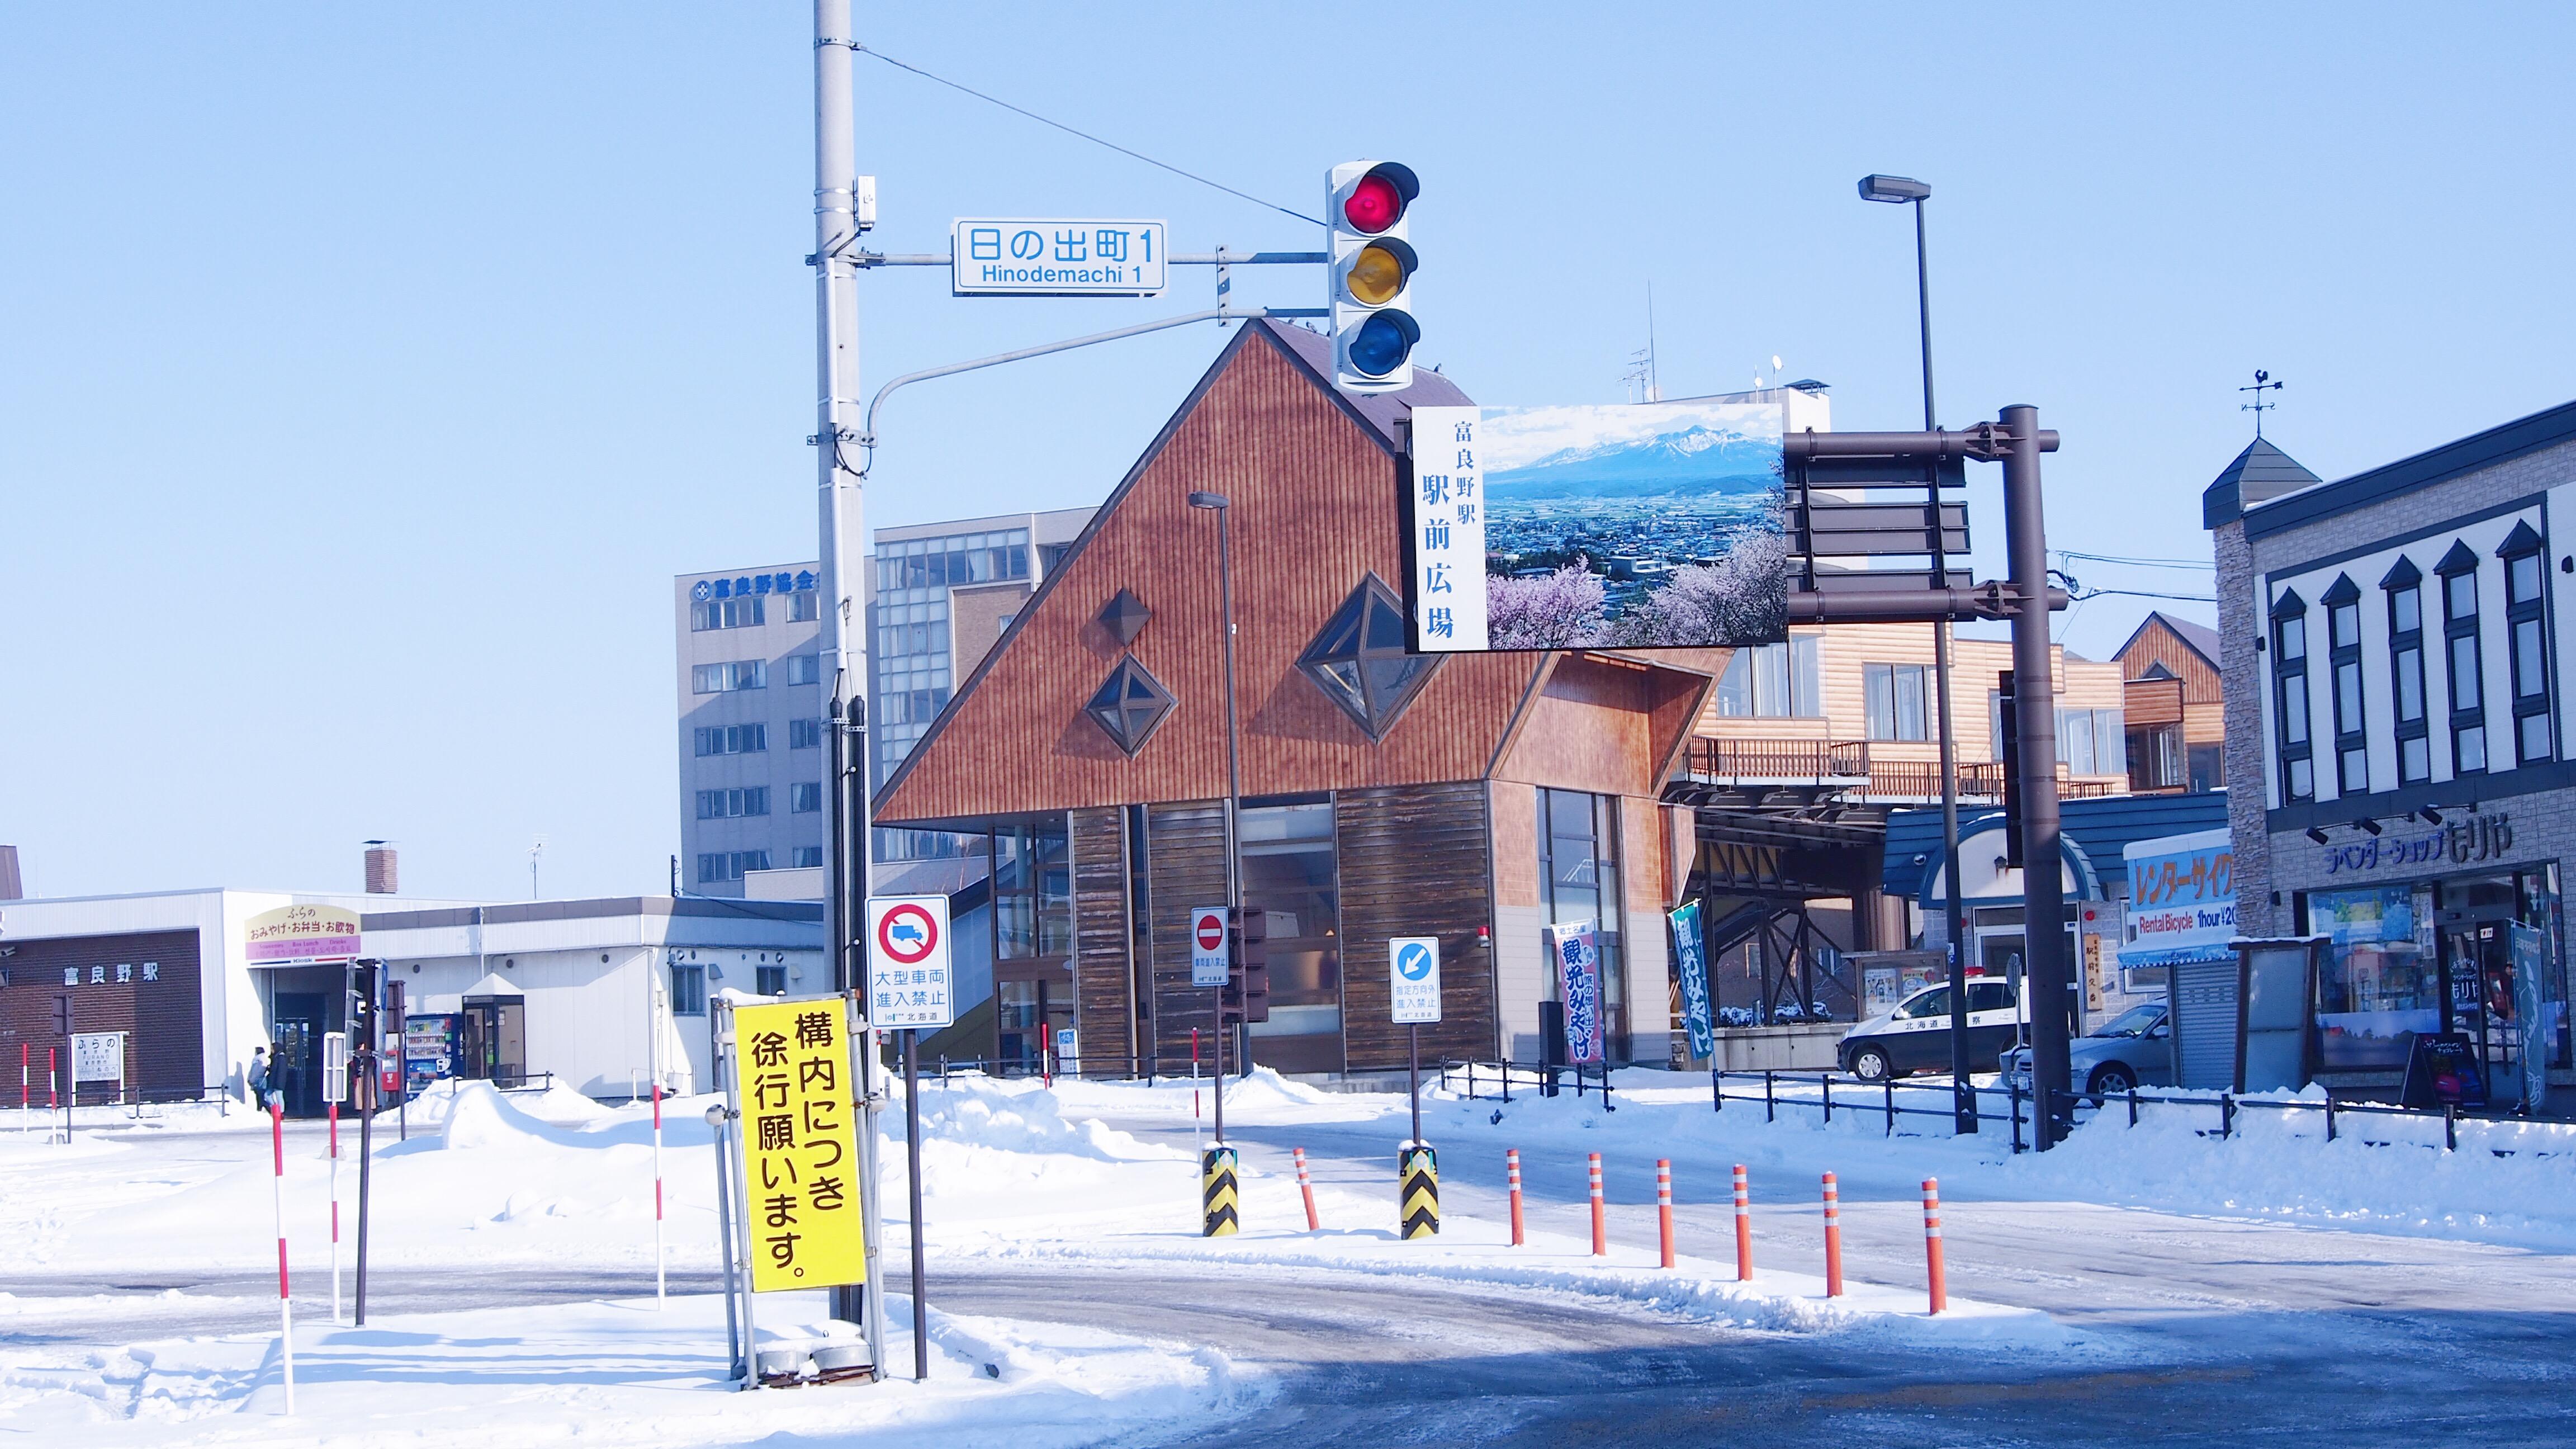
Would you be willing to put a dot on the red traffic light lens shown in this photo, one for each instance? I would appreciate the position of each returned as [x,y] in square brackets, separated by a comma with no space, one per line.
[1374,204]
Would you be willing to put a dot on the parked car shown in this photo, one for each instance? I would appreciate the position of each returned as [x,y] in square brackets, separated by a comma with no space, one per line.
[2133,1049]
[1915,1036]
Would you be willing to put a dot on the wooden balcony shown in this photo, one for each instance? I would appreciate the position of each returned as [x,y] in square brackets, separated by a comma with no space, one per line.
[1846,766]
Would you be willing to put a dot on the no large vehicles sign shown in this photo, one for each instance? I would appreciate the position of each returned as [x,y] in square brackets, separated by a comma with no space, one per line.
[908,979]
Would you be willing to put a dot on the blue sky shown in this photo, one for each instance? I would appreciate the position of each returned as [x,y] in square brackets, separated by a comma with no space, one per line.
[370,370]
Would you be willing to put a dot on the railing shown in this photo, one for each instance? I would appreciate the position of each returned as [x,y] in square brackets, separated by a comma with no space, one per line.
[1543,1079]
[2228,1106]
[1778,760]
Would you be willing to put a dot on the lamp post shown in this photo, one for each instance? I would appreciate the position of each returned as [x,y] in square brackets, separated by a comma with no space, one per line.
[1222,507]
[1900,190]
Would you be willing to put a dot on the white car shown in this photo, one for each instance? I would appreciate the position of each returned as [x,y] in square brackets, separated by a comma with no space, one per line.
[1915,1037]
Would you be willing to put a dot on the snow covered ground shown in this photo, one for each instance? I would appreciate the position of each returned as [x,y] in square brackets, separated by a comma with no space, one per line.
[490,1188]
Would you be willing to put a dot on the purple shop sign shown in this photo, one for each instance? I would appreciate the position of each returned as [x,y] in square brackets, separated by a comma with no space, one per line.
[1578,973]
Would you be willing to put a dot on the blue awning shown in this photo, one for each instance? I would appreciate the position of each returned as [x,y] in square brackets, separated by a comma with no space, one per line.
[2178,955]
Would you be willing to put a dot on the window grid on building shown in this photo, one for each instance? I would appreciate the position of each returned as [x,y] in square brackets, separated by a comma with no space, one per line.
[2343,657]
[2466,667]
[2528,629]
[913,662]
[2405,587]
[2290,695]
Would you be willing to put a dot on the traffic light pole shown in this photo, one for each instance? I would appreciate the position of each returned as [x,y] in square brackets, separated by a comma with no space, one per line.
[2050,974]
[2016,441]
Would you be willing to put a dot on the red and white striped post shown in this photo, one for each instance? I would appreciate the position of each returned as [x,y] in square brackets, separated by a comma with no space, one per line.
[285,1303]
[1664,1205]
[1600,1226]
[1833,1238]
[54,1097]
[1512,1167]
[1306,1189]
[332,1111]
[1932,1243]
[660,1274]
[1743,1227]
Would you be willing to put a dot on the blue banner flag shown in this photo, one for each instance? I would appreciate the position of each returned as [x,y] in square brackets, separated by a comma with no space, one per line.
[1697,1016]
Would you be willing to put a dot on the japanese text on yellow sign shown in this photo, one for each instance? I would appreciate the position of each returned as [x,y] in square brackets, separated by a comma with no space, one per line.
[800,1152]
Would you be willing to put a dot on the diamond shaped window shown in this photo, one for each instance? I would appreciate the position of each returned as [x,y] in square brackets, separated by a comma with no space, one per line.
[1359,659]
[1129,704]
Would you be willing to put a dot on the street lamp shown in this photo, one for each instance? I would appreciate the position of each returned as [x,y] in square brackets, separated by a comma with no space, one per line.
[1899,190]
[1222,507]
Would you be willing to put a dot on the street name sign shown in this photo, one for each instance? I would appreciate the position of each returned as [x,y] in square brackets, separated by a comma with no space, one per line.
[1413,974]
[908,977]
[1208,959]
[1056,257]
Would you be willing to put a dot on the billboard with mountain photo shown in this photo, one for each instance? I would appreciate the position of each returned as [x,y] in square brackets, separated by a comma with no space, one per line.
[1639,526]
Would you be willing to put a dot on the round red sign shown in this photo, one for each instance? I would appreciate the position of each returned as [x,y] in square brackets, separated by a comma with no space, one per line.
[907,934]
[1210,930]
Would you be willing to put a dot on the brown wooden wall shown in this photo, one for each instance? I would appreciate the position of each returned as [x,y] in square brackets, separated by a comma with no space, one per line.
[163,1019]
[1414,862]
[1607,725]
[1185,865]
[1315,510]
[2157,644]
[1103,982]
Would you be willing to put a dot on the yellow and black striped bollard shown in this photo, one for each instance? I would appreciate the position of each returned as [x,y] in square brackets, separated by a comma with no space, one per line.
[1417,1171]
[1217,1192]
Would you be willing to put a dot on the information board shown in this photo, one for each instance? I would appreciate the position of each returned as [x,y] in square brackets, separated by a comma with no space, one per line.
[99,1057]
[799,1146]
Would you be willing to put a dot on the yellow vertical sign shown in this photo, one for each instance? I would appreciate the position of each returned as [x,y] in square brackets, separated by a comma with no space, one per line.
[799,1146]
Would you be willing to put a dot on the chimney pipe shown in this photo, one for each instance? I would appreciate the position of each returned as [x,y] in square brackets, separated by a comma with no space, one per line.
[383,879]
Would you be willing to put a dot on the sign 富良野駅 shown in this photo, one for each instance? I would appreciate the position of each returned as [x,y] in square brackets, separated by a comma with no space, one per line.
[748,586]
[299,934]
[1061,257]
[804,1215]
[124,973]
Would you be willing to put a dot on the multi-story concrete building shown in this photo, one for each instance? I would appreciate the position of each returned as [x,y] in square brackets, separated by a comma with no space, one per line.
[751,724]
[2399,778]
[751,699]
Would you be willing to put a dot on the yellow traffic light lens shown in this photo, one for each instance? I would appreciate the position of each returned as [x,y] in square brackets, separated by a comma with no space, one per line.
[1376,275]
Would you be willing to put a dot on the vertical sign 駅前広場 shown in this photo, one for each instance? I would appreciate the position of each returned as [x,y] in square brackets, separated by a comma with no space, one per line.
[1413,979]
[1577,949]
[1698,1018]
[1653,525]
[799,1146]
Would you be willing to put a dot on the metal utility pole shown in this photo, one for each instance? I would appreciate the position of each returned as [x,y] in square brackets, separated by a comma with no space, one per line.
[836,362]
[2050,970]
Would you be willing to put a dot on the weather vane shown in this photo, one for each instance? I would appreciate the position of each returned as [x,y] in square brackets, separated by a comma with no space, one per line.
[2262,382]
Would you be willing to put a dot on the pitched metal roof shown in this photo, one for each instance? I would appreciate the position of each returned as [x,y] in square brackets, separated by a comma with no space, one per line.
[2202,639]
[2103,827]
[2501,444]
[2260,474]
[1382,411]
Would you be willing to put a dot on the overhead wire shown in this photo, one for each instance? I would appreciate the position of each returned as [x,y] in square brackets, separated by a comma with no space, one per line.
[864,49]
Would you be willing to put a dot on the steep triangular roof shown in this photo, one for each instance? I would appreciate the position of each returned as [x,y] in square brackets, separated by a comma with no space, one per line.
[2259,474]
[2202,638]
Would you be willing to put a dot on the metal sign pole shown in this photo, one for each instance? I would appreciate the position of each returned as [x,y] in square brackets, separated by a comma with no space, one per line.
[731,1049]
[872,1104]
[1413,1075]
[912,1163]
[719,1118]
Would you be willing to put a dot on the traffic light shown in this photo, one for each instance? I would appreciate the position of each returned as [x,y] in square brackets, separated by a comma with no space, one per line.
[1247,983]
[1372,275]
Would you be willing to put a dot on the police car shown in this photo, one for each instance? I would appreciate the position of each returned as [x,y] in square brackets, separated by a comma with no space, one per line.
[1915,1037]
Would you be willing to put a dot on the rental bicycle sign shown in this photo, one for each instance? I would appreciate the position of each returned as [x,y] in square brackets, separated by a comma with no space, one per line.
[1039,257]
[909,982]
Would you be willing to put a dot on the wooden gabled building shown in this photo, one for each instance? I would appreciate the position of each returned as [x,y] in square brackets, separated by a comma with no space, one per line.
[2174,705]
[1473,797]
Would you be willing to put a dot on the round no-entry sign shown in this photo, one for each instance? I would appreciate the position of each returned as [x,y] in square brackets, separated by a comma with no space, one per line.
[1210,930]
[907,935]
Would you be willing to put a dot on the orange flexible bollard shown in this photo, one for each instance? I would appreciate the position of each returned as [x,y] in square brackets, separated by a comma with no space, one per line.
[1743,1228]
[1664,1205]
[1600,1227]
[1833,1238]
[1932,1243]
[1512,1164]
[1306,1185]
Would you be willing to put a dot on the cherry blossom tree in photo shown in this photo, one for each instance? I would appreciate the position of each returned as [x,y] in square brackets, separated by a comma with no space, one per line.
[1561,610]
[1740,599]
